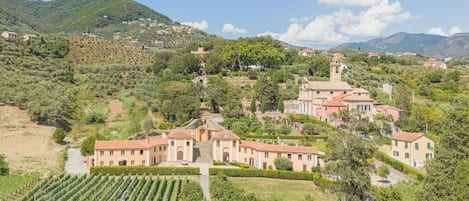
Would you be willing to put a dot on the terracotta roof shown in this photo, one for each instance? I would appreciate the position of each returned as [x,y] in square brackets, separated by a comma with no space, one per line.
[360,90]
[225,135]
[278,148]
[406,136]
[327,85]
[129,144]
[180,134]
[334,103]
[357,98]
[341,96]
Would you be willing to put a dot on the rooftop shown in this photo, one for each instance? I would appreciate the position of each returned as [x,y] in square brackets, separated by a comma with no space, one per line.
[130,144]
[225,135]
[334,103]
[357,98]
[327,85]
[407,136]
[278,148]
[180,134]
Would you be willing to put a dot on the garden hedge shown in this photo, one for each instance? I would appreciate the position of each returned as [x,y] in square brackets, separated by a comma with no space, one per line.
[290,137]
[236,172]
[398,165]
[140,170]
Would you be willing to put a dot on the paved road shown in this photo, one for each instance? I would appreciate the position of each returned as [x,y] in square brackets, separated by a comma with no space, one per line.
[75,163]
[393,177]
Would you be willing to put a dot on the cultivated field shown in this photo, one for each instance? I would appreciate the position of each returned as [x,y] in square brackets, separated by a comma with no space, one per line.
[281,189]
[97,187]
[27,146]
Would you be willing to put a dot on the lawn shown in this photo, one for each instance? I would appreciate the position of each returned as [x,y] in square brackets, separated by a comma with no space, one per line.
[322,146]
[11,183]
[281,189]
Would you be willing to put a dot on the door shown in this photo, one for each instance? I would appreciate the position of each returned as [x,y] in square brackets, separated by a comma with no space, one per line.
[226,157]
[264,165]
[180,155]
[251,162]
[305,168]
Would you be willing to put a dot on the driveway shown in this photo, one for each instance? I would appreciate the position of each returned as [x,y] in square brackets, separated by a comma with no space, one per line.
[393,177]
[75,163]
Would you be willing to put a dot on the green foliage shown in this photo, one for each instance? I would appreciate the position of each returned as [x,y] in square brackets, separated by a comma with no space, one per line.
[267,92]
[269,128]
[59,135]
[240,126]
[184,64]
[398,165]
[385,194]
[292,137]
[285,129]
[218,163]
[97,114]
[63,159]
[382,171]
[148,125]
[283,164]
[4,169]
[87,146]
[191,191]
[252,172]
[140,170]
[12,185]
[253,106]
[281,106]
[240,165]
[221,189]
[56,47]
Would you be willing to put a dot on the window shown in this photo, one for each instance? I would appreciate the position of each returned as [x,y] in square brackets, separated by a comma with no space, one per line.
[132,162]
[154,149]
[406,155]
[101,163]
[164,148]
[429,145]
[406,145]
[289,156]
[417,146]
[101,153]
[266,154]
[111,152]
[395,153]
[132,152]
[310,157]
[218,143]
[245,150]
[317,92]
[111,163]
[332,92]
[172,143]
[336,69]
[428,155]
[234,143]
[345,92]
[279,155]
[122,152]
[160,148]
[188,143]
[143,162]
[300,157]
[395,143]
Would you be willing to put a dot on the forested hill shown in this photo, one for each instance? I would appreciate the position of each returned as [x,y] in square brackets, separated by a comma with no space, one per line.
[122,20]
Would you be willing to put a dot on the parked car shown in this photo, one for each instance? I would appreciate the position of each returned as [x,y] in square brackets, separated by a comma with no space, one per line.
[185,162]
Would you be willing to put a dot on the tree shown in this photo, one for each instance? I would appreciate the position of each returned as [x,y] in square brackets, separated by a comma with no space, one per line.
[87,146]
[191,191]
[403,98]
[148,125]
[4,170]
[263,107]
[284,129]
[281,107]
[269,128]
[348,161]
[59,135]
[308,128]
[383,171]
[283,164]
[253,106]
[184,64]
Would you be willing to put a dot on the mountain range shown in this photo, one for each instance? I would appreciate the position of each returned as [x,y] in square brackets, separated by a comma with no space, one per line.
[121,20]
[426,44]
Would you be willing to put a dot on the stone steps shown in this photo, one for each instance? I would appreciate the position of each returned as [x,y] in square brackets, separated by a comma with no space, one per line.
[203,152]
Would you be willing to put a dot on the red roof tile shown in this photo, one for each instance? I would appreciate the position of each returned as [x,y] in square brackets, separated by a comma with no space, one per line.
[278,148]
[180,134]
[225,135]
[407,136]
[334,103]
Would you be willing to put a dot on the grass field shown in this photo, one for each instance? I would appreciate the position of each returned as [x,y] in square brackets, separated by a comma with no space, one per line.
[280,189]
[11,183]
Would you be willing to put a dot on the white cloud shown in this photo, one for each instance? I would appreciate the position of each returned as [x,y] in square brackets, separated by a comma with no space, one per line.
[199,25]
[299,20]
[339,26]
[230,28]
[350,3]
[439,31]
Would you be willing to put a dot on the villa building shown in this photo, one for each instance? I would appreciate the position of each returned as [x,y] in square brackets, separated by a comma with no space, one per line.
[411,148]
[435,63]
[29,37]
[9,35]
[306,52]
[178,145]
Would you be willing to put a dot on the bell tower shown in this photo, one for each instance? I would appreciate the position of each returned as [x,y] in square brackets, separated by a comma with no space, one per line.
[335,70]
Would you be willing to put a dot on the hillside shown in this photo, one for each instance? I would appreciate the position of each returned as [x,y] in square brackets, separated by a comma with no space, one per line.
[454,46]
[399,42]
[122,20]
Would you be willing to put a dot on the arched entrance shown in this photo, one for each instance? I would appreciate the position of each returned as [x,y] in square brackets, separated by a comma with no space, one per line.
[226,155]
[180,154]
[202,134]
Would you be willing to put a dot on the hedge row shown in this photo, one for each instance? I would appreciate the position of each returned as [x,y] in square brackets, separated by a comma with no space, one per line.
[140,170]
[398,165]
[289,137]
[235,172]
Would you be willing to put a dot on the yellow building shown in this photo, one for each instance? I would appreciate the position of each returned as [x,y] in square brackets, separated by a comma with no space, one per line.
[412,148]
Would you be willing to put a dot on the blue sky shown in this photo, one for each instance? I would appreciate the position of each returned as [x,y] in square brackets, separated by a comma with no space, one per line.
[318,23]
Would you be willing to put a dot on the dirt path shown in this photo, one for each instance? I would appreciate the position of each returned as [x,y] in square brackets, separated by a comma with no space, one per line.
[116,112]
[27,146]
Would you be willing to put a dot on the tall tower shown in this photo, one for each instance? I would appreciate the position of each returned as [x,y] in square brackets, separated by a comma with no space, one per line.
[336,70]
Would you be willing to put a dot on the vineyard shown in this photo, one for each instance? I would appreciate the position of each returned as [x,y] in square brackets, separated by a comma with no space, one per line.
[98,187]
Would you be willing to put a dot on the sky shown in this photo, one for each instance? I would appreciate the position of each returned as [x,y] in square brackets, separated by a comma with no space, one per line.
[317,23]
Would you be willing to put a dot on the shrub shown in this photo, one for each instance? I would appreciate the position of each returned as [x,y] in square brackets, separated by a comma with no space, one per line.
[191,191]
[285,129]
[291,137]
[240,165]
[87,146]
[218,163]
[279,174]
[59,135]
[140,170]
[4,170]
[283,164]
